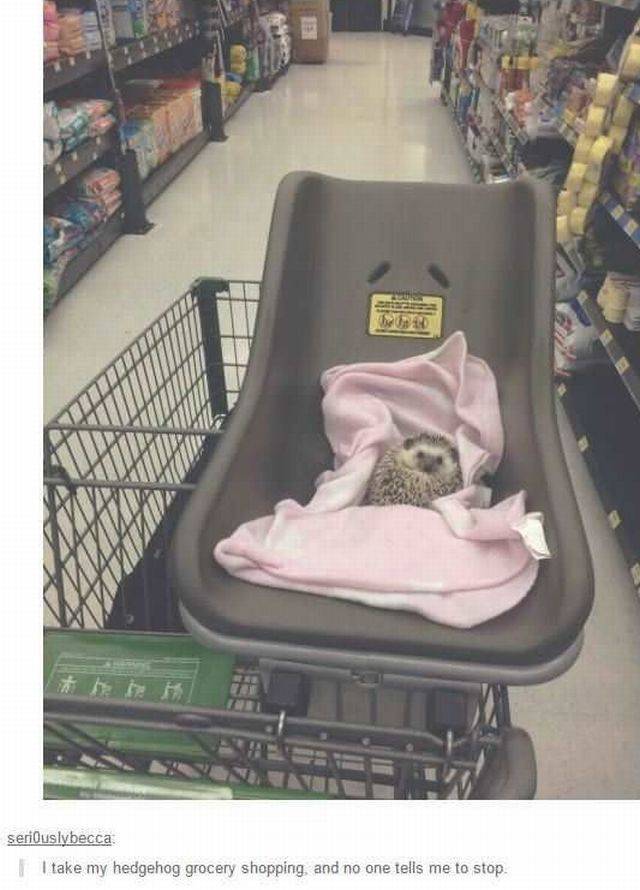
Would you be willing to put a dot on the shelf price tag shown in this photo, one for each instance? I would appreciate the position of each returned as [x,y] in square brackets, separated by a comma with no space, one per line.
[614,519]
[622,365]
[606,337]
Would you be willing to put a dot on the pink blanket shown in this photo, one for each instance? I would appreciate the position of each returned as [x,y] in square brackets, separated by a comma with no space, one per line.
[460,563]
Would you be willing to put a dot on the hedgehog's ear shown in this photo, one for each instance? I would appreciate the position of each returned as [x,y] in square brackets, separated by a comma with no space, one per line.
[454,452]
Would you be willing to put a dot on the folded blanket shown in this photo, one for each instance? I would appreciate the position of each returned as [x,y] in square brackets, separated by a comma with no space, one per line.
[462,562]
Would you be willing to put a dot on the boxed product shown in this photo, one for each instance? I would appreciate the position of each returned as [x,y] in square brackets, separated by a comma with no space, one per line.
[156,113]
[191,85]
[130,19]
[310,30]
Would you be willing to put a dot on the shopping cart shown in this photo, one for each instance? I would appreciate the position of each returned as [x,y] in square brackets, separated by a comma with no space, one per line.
[133,706]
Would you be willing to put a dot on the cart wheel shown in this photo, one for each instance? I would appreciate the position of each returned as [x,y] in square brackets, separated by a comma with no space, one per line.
[509,771]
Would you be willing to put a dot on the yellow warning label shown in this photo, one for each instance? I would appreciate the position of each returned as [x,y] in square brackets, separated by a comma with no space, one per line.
[406,315]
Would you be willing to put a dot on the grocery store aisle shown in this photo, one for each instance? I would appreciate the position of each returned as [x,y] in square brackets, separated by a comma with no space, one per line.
[368,114]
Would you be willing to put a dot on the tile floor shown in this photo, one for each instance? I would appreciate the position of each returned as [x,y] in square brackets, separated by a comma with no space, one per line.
[368,114]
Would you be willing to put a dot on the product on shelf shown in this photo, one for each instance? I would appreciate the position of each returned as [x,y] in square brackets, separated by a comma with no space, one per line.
[69,123]
[619,299]
[72,39]
[162,115]
[575,339]
[73,219]
[130,19]
[105,13]
[51,132]
[102,185]
[280,31]
[134,19]
[51,31]
[91,30]
[60,236]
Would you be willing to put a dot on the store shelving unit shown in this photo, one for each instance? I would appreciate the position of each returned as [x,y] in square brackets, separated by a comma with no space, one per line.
[57,76]
[602,404]
[122,59]
[77,161]
[621,346]
[624,219]
[101,240]
[112,68]
[474,166]
[598,413]
[519,132]
[67,69]
[128,54]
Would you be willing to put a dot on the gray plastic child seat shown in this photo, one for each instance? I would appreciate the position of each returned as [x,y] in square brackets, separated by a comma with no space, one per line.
[495,246]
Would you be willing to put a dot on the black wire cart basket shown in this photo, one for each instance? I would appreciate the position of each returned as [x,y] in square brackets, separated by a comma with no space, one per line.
[133,706]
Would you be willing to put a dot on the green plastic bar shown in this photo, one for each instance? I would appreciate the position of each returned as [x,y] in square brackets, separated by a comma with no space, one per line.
[62,783]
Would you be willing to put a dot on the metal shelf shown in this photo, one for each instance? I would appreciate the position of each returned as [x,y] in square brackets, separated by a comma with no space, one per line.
[102,239]
[68,69]
[159,179]
[520,134]
[600,424]
[74,162]
[128,54]
[616,211]
[622,346]
[476,169]
[501,154]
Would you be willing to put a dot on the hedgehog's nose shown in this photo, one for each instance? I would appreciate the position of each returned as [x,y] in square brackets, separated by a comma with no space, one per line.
[428,464]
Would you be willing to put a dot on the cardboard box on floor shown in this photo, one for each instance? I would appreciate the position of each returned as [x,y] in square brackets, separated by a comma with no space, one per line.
[310,30]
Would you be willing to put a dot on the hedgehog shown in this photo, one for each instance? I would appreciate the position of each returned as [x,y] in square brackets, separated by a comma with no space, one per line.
[423,468]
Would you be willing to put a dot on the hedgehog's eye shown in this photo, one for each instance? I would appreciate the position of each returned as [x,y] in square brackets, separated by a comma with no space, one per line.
[408,443]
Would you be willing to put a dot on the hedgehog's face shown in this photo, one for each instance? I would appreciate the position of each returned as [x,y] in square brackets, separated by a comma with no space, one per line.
[431,455]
